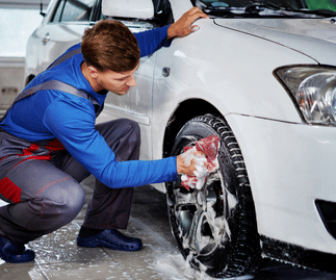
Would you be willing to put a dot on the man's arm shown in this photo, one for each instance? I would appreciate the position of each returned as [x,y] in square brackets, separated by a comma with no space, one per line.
[152,40]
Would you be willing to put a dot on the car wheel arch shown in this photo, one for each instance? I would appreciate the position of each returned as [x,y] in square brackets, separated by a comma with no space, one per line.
[181,115]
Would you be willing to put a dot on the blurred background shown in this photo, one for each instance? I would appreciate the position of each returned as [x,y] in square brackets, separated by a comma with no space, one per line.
[18,20]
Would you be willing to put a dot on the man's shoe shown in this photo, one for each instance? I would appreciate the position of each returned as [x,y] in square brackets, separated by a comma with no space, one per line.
[14,254]
[112,239]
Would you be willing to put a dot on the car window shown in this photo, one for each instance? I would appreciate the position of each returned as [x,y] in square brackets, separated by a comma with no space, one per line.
[162,12]
[74,10]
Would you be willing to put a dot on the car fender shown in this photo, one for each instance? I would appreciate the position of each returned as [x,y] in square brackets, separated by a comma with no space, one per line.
[198,70]
[243,92]
[233,66]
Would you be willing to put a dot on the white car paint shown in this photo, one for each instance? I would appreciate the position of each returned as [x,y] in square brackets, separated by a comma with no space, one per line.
[265,122]
[313,37]
[139,9]
[50,40]
[289,166]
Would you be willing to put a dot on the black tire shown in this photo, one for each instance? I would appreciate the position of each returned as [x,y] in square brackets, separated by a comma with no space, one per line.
[229,245]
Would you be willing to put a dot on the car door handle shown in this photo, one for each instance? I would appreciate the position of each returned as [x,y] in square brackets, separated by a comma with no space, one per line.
[46,39]
[165,71]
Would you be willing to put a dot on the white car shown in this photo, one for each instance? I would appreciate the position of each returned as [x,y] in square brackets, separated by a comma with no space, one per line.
[261,76]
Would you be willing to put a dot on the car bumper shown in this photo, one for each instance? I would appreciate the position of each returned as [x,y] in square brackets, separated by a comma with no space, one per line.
[290,166]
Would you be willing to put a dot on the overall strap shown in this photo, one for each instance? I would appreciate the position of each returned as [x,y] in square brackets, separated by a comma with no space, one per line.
[64,57]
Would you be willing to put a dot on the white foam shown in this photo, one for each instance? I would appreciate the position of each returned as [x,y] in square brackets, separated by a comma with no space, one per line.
[175,267]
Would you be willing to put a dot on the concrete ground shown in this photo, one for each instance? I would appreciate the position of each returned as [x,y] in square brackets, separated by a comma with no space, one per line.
[58,257]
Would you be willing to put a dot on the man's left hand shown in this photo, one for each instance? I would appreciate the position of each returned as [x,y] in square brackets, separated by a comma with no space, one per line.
[183,26]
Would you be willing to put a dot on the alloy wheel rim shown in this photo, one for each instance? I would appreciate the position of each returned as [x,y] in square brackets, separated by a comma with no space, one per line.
[202,215]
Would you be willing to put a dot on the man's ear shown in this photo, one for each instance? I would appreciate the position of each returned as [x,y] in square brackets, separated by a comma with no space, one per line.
[92,71]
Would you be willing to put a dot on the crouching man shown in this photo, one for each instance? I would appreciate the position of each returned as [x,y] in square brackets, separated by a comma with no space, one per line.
[49,143]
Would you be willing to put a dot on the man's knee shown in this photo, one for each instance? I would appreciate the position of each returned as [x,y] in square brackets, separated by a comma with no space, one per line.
[71,198]
[64,202]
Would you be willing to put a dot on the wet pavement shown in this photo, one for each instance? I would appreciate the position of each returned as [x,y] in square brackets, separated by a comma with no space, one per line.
[58,257]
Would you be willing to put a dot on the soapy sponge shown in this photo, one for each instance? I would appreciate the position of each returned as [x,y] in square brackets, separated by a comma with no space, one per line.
[209,146]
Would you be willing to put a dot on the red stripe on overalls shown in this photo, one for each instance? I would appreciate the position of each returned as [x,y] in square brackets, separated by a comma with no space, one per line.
[9,190]
[29,151]
[3,158]
[55,145]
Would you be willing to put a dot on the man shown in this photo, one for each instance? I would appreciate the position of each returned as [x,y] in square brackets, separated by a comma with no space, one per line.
[49,143]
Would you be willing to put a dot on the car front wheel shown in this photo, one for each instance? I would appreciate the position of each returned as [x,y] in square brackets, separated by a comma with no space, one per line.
[215,227]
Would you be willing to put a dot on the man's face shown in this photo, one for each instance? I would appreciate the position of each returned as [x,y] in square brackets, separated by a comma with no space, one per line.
[115,82]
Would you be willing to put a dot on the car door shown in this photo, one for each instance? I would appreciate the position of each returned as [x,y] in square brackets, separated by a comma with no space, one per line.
[63,27]
[136,104]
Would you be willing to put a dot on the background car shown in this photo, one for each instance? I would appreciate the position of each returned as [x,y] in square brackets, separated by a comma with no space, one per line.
[261,75]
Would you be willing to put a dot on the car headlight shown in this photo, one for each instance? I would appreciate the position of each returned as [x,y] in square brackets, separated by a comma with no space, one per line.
[313,90]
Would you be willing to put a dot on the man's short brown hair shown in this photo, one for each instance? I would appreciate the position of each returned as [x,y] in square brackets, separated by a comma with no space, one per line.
[110,45]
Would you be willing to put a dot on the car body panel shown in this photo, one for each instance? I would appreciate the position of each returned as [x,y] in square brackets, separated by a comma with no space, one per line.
[141,9]
[285,194]
[196,72]
[179,7]
[58,42]
[314,37]
[51,39]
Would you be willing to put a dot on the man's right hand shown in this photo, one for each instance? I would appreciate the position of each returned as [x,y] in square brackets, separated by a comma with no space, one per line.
[191,163]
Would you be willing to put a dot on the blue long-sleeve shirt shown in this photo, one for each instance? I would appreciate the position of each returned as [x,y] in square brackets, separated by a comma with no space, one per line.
[50,114]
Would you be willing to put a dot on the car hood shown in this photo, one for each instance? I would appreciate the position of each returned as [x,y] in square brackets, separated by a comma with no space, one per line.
[315,38]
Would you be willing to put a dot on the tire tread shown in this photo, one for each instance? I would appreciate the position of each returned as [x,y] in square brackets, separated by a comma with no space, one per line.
[245,252]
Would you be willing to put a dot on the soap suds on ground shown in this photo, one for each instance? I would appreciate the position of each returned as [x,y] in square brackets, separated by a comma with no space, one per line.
[175,267]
